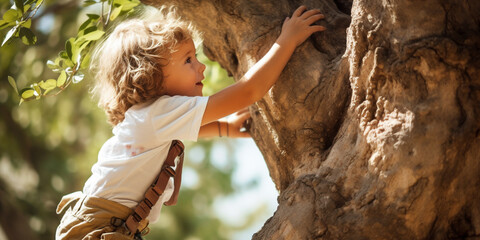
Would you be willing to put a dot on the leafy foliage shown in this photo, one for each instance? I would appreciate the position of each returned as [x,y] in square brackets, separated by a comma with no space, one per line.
[19,17]
[76,57]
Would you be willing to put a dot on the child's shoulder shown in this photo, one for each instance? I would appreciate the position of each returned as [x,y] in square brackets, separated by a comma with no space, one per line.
[178,100]
[168,103]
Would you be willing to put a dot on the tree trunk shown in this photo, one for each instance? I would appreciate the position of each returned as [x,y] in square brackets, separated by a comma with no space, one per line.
[372,130]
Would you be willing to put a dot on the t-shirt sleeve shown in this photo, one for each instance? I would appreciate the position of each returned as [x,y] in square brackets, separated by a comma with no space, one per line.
[178,117]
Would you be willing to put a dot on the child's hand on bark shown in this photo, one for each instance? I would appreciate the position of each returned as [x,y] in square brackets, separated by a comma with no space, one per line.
[236,122]
[298,28]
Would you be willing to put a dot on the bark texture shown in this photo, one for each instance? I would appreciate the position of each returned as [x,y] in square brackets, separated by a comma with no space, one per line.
[372,131]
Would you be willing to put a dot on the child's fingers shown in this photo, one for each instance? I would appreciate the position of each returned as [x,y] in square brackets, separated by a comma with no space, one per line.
[310,13]
[243,117]
[317,28]
[314,18]
[243,110]
[299,11]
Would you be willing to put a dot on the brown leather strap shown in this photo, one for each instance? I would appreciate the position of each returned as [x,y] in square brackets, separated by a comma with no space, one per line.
[158,187]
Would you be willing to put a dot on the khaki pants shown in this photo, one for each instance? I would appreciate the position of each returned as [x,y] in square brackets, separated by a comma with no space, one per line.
[89,218]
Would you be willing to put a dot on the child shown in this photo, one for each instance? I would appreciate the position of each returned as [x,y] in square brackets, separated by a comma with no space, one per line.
[149,82]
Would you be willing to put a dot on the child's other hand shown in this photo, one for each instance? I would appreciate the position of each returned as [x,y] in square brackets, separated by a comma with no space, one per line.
[235,123]
[297,29]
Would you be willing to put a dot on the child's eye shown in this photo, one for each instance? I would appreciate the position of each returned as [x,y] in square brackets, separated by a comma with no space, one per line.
[189,60]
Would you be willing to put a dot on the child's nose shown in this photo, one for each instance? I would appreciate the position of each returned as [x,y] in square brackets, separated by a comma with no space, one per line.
[202,67]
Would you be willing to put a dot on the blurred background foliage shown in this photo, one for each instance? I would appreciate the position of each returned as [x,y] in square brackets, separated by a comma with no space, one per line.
[47,147]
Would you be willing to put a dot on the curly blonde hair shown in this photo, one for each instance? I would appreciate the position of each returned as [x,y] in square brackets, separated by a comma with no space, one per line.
[128,63]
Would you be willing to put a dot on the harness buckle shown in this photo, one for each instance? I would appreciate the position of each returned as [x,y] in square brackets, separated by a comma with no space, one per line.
[170,171]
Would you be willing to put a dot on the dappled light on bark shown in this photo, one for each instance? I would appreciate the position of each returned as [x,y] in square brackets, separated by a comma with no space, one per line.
[372,130]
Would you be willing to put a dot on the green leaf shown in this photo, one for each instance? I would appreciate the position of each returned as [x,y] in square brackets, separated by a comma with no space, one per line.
[90,22]
[61,79]
[3,23]
[83,46]
[65,61]
[39,2]
[87,3]
[9,35]
[68,47]
[85,61]
[80,39]
[48,84]
[13,83]
[27,24]
[93,16]
[84,25]
[26,7]
[93,36]
[89,30]
[27,93]
[77,50]
[28,37]
[11,15]
[42,84]
[127,5]
[63,54]
[69,63]
[115,13]
[75,53]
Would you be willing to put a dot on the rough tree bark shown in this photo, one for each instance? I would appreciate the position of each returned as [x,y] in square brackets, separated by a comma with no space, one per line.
[372,130]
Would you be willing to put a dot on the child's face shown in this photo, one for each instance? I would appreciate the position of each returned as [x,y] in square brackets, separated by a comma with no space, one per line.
[184,73]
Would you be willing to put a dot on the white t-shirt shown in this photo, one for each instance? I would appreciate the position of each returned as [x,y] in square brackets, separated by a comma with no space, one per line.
[130,160]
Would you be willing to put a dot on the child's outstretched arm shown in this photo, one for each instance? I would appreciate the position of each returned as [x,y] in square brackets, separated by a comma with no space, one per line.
[260,78]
